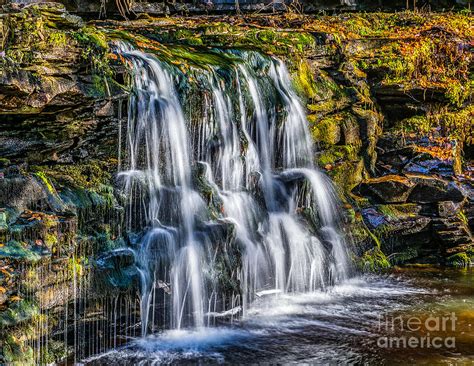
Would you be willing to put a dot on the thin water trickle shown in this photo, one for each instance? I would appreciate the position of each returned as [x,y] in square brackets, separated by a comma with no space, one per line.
[221,238]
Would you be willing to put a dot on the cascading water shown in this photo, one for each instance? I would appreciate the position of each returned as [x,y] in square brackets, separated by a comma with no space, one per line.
[224,190]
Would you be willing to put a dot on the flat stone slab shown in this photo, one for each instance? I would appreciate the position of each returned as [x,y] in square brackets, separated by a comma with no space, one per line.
[386,189]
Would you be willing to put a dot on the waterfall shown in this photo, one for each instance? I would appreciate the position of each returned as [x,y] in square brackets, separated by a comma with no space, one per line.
[157,135]
[221,184]
[351,3]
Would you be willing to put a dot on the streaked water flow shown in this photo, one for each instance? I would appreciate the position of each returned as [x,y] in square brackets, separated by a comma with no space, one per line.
[225,193]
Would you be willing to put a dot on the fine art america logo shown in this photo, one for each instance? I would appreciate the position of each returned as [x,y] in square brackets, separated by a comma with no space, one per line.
[415,332]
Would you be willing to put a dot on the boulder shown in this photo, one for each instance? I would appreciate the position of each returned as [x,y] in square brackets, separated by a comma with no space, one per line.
[387,219]
[429,189]
[21,192]
[386,189]
[393,160]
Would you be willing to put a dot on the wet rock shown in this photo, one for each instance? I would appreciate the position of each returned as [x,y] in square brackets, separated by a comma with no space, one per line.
[117,268]
[453,234]
[393,160]
[350,131]
[373,218]
[387,189]
[20,251]
[21,192]
[397,104]
[426,164]
[387,220]
[432,189]
[454,238]
[448,208]
[56,295]
[469,212]
[105,109]
[445,224]
[370,125]
[460,259]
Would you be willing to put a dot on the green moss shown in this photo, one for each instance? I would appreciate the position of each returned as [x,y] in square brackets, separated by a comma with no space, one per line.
[57,39]
[324,107]
[458,91]
[103,242]
[53,353]
[459,260]
[328,129]
[456,124]
[415,124]
[403,257]
[338,153]
[462,216]
[41,175]
[397,211]
[49,221]
[189,37]
[16,352]
[327,89]
[346,175]
[75,266]
[95,49]
[18,312]
[304,81]
[4,162]
[99,87]
[18,250]
[50,239]
[430,62]
[92,37]
[373,260]
[91,175]
[359,233]
[269,40]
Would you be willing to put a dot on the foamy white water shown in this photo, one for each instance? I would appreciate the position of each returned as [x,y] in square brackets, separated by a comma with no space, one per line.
[313,327]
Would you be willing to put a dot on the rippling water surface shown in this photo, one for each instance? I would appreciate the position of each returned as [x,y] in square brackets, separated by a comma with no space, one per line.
[340,325]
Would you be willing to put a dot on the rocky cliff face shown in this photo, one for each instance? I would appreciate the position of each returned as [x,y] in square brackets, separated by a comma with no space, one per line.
[389,105]
[58,153]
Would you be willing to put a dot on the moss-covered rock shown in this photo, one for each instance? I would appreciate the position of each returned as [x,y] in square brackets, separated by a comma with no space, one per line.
[20,251]
[373,260]
[459,260]
[389,188]
[328,130]
[19,311]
